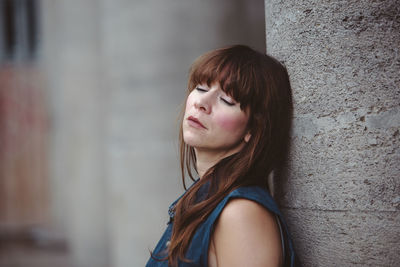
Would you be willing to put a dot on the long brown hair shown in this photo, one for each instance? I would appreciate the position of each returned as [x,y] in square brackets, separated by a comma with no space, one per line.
[261,83]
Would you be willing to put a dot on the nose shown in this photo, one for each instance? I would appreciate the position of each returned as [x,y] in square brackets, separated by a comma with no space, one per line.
[203,102]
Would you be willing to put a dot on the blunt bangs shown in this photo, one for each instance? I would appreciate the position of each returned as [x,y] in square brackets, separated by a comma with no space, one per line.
[234,68]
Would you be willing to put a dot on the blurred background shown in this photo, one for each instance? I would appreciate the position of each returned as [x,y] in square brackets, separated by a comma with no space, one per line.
[90,93]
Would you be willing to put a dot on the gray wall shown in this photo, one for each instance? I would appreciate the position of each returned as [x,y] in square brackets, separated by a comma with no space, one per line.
[76,97]
[342,190]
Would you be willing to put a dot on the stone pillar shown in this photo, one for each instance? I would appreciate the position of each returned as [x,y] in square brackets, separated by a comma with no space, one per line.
[342,194]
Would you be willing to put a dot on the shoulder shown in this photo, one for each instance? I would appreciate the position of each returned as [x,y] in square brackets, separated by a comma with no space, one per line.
[241,208]
[247,215]
[246,234]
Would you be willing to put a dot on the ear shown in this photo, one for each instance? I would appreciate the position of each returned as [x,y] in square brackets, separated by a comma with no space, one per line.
[247,137]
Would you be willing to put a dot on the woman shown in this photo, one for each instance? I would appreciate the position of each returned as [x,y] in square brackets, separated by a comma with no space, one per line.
[234,133]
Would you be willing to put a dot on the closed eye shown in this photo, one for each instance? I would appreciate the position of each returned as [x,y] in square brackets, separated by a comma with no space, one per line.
[227,102]
[201,89]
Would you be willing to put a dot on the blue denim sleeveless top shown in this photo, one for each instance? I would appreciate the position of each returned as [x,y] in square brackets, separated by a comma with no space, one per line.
[197,251]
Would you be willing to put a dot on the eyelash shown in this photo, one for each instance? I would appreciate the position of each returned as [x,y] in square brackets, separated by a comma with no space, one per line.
[225,101]
[201,89]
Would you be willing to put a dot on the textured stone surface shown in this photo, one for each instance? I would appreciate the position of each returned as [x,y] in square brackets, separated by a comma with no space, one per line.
[344,64]
[346,238]
[348,49]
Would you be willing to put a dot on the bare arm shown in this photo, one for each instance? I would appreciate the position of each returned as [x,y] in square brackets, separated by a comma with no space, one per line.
[246,234]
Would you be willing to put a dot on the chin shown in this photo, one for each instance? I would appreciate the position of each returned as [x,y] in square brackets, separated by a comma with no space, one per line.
[193,142]
[192,138]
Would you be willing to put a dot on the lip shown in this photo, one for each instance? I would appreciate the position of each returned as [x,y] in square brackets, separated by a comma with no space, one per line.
[195,122]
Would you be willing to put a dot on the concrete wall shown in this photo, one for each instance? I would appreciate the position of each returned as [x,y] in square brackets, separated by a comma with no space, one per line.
[342,190]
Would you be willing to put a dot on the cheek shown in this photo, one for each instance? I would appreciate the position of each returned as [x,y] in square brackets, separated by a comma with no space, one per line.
[189,102]
[231,123]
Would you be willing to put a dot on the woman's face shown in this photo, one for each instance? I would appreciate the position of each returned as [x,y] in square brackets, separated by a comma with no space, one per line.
[213,121]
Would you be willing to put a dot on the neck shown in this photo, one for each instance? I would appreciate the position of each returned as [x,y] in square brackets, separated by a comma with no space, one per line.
[206,159]
[204,162]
